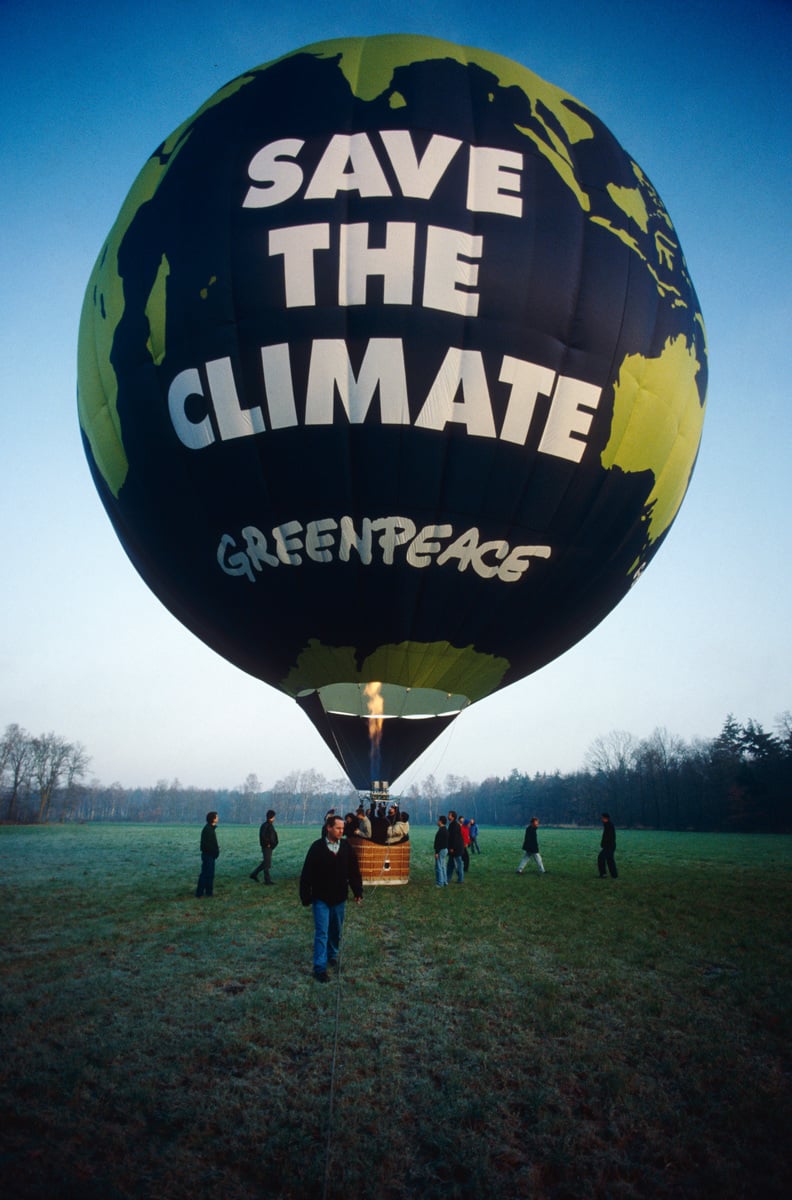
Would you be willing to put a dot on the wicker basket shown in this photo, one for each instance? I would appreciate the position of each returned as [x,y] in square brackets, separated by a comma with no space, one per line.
[382,864]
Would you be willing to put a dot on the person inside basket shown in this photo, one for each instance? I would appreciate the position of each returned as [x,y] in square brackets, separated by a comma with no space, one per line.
[399,831]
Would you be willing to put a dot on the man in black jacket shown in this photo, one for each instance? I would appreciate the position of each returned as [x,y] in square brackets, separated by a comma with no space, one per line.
[268,840]
[608,847]
[210,852]
[329,872]
[441,853]
[531,847]
[456,848]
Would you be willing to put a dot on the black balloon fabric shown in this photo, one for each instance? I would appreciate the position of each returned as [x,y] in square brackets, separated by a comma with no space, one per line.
[391,380]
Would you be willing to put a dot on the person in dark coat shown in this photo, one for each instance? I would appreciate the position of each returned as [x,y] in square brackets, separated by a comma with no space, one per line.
[329,873]
[531,847]
[268,840]
[456,848]
[210,852]
[441,853]
[605,858]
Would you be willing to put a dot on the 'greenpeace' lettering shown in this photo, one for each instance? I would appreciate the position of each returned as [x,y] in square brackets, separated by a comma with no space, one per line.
[388,540]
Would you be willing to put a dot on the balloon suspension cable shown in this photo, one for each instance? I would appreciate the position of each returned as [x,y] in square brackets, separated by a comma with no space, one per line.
[331,1095]
[440,749]
[337,1015]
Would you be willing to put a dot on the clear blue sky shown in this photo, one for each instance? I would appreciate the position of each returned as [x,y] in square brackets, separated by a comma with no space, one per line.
[699,94]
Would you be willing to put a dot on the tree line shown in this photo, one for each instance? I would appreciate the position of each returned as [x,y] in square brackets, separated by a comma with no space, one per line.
[740,780]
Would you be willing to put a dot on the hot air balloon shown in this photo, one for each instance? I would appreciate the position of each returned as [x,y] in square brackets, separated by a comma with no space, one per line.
[391,381]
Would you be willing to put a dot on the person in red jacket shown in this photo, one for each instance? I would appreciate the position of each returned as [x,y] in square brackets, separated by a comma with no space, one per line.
[329,872]
[464,828]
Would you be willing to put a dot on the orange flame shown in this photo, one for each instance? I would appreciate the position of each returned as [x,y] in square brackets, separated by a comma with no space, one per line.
[376,707]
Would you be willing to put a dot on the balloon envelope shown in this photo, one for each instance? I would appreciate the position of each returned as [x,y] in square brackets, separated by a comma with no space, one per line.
[391,379]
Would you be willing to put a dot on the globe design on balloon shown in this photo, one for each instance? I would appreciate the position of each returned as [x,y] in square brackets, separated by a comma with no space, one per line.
[391,380]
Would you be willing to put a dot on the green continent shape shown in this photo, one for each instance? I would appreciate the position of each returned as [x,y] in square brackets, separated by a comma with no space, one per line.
[368,65]
[657,421]
[435,665]
[632,204]
[103,308]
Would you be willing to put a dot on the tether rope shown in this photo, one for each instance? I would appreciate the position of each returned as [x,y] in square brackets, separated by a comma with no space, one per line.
[334,1057]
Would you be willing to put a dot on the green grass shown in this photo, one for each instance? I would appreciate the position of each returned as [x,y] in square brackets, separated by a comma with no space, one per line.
[558,1037]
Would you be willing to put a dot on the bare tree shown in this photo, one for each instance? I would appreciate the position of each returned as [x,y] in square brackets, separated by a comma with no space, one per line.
[657,763]
[784,731]
[300,786]
[247,801]
[77,763]
[431,794]
[50,753]
[15,761]
[612,752]
[612,759]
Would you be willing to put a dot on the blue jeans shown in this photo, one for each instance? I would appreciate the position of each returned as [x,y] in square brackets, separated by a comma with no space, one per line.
[441,864]
[328,923]
[456,860]
[206,878]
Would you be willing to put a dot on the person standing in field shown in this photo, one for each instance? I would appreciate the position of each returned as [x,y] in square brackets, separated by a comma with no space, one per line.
[605,858]
[210,852]
[464,829]
[531,847]
[456,848]
[473,829]
[268,840]
[329,872]
[441,853]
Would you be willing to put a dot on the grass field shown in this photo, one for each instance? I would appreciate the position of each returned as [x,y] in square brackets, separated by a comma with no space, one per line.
[559,1037]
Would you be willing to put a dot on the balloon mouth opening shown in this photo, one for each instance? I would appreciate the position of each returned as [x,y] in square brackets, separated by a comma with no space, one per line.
[393,700]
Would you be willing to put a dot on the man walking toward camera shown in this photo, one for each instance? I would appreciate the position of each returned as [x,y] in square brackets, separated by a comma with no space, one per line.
[268,840]
[329,872]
